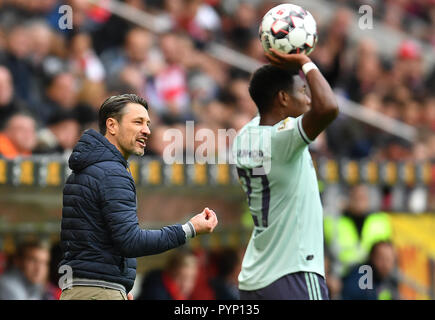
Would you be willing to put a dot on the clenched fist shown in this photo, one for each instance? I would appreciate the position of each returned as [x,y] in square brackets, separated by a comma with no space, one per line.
[205,222]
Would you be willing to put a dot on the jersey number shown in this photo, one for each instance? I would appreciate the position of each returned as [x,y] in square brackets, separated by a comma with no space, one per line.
[248,174]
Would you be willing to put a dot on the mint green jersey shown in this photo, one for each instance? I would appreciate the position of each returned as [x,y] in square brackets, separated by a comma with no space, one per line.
[277,174]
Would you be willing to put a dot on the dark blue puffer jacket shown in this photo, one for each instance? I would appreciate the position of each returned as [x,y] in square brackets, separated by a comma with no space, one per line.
[100,235]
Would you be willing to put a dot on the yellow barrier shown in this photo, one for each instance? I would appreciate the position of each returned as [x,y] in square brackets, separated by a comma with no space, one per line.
[153,171]
[414,239]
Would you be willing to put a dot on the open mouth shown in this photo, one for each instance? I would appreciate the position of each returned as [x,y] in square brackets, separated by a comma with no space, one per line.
[141,142]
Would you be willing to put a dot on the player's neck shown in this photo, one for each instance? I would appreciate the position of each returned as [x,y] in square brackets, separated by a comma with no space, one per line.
[270,119]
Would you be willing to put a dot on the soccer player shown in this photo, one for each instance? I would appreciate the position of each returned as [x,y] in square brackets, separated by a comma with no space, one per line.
[284,257]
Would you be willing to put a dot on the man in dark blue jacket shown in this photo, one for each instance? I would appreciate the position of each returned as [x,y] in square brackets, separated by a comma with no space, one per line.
[100,234]
[377,279]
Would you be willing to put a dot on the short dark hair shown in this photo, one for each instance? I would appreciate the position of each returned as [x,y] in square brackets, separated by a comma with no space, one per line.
[21,111]
[113,108]
[377,244]
[30,244]
[178,259]
[267,81]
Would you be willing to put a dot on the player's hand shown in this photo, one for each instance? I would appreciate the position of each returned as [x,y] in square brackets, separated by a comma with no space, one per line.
[205,222]
[286,60]
[130,296]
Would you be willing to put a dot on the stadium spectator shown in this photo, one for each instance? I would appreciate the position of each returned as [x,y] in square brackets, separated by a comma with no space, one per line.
[61,93]
[16,60]
[238,87]
[367,72]
[382,279]
[27,278]
[9,102]
[168,94]
[42,39]
[84,63]
[361,141]
[350,236]
[408,69]
[18,137]
[93,94]
[157,144]
[90,97]
[82,20]
[242,25]
[60,135]
[224,284]
[197,63]
[196,18]
[134,53]
[331,50]
[395,149]
[175,282]
[111,33]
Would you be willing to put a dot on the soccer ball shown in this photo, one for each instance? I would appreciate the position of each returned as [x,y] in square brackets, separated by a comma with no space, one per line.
[288,28]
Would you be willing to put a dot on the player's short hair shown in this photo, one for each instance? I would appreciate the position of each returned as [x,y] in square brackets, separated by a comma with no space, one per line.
[114,106]
[267,81]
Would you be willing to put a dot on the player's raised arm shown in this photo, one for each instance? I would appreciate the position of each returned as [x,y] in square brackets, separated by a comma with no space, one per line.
[324,107]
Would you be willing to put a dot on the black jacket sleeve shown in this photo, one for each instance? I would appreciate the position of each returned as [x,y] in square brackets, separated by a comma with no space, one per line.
[119,211]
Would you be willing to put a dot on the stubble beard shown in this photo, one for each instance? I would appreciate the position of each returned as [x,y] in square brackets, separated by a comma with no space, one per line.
[139,153]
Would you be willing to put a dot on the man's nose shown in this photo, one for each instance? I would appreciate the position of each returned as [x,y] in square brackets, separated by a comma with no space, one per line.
[146,130]
[308,99]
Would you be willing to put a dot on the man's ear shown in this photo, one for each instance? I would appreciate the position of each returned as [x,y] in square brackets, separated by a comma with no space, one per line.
[283,98]
[112,126]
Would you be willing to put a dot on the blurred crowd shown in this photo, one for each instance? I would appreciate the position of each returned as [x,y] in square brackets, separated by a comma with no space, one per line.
[52,81]
[416,17]
[32,272]
[360,237]
[397,87]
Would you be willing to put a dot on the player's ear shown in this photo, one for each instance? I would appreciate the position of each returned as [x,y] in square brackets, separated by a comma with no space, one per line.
[283,98]
[111,125]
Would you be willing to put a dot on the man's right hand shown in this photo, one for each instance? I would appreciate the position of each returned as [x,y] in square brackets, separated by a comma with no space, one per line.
[286,60]
[205,222]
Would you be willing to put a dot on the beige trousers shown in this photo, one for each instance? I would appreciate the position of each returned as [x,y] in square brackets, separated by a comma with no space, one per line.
[92,293]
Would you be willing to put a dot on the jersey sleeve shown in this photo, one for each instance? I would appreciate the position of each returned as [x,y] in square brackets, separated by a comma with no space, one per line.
[290,137]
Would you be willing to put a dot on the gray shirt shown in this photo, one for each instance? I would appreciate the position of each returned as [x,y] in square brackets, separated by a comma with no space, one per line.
[14,286]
